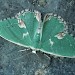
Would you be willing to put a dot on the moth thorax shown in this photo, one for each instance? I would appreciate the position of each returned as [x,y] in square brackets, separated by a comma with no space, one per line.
[39,30]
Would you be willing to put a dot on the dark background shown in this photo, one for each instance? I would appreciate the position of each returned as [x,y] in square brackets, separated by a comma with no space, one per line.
[14,62]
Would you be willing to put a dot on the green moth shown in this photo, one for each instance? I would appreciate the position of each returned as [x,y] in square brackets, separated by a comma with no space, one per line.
[28,30]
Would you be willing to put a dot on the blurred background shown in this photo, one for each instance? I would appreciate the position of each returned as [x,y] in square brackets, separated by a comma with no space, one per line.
[14,62]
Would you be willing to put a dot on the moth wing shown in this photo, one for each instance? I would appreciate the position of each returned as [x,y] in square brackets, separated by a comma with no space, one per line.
[19,30]
[31,21]
[55,41]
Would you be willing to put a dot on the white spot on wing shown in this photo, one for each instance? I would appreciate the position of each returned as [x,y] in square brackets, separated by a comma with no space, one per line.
[51,42]
[25,34]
